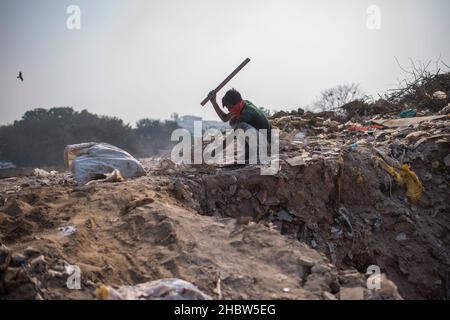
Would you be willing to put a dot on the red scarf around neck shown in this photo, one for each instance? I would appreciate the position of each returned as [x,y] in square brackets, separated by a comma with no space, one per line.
[237,109]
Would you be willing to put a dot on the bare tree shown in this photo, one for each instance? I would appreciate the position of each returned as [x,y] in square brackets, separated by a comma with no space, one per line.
[334,98]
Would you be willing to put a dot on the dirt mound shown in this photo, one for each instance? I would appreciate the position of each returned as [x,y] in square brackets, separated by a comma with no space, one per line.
[351,211]
[121,237]
[362,196]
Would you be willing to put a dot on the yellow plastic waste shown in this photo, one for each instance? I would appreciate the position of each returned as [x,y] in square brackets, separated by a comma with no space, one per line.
[359,177]
[391,170]
[413,185]
[406,176]
[102,293]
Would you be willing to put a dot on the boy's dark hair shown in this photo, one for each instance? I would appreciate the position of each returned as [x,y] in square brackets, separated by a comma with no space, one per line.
[231,98]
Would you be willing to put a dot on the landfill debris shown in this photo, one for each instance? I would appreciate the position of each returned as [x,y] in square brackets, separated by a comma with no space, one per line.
[41,173]
[114,176]
[38,264]
[296,161]
[413,184]
[406,122]
[391,170]
[401,237]
[164,289]
[445,110]
[284,216]
[328,296]
[344,215]
[68,230]
[407,177]
[138,203]
[358,127]
[31,252]
[90,161]
[356,293]
[414,136]
[439,98]
[408,113]
[388,289]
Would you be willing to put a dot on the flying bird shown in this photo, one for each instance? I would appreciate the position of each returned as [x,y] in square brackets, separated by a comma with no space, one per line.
[20,77]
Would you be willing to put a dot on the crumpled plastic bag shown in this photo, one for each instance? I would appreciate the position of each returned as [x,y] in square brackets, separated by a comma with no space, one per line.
[391,170]
[163,289]
[40,173]
[91,161]
[407,177]
[414,187]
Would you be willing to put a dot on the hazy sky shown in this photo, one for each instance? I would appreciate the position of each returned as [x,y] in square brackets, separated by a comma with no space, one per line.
[140,58]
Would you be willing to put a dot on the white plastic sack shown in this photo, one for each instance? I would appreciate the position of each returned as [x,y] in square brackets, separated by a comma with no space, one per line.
[89,161]
[163,289]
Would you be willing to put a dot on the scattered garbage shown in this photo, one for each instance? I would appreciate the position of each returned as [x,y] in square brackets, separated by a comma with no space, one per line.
[67,231]
[357,127]
[300,136]
[352,293]
[445,110]
[344,218]
[405,176]
[410,113]
[439,98]
[406,122]
[40,173]
[164,289]
[296,161]
[413,184]
[138,203]
[401,237]
[91,161]
[39,264]
[114,176]
[284,216]
[391,170]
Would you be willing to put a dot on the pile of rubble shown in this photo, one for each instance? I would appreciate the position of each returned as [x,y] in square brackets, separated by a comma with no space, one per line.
[363,188]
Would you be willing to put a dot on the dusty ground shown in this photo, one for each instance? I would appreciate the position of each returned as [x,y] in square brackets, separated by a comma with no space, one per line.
[122,241]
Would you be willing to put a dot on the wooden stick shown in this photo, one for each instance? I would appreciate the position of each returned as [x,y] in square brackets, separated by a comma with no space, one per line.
[227,79]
